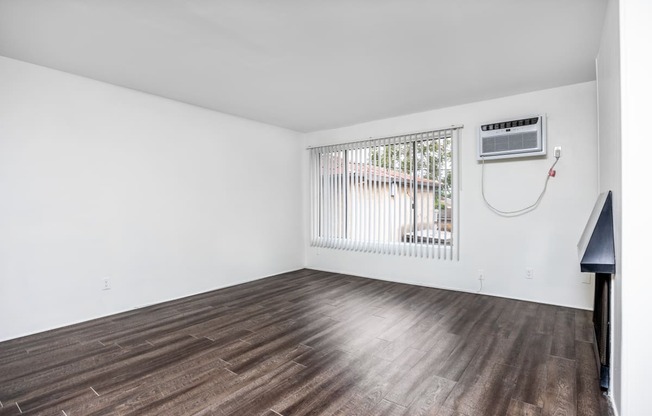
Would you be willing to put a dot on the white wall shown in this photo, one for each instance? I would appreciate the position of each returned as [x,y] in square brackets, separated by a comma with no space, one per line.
[610,167]
[545,239]
[164,198]
[636,93]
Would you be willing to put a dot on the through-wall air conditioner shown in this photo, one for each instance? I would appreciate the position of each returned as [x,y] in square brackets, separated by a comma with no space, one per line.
[521,137]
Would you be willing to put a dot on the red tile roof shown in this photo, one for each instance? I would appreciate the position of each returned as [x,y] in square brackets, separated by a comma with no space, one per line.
[375,173]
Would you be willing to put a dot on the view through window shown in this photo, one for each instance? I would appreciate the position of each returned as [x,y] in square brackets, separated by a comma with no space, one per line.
[393,195]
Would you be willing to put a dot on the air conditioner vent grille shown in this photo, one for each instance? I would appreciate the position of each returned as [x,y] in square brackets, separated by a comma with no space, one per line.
[507,142]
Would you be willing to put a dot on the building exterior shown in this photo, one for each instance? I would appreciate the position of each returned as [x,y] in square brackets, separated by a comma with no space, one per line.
[399,206]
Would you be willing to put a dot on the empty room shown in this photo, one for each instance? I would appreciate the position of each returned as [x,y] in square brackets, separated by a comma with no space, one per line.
[324,207]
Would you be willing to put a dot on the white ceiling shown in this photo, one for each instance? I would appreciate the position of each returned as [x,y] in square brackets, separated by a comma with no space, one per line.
[312,65]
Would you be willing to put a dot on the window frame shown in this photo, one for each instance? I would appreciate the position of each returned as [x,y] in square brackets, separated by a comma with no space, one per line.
[449,250]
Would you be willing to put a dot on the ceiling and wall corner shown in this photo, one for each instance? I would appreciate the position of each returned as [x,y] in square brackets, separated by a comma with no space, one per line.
[312,66]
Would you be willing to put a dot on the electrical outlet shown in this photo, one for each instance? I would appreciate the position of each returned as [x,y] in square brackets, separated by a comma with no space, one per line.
[529,273]
[480,274]
[557,151]
[106,284]
[586,278]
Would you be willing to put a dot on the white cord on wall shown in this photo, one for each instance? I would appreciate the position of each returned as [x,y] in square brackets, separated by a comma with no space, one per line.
[527,209]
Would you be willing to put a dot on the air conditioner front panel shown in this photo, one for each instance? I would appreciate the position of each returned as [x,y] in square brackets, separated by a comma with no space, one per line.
[515,138]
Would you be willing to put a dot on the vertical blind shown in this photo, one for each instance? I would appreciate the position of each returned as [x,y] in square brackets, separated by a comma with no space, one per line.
[395,195]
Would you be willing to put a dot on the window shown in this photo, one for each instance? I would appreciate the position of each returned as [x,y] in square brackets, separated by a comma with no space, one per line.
[395,195]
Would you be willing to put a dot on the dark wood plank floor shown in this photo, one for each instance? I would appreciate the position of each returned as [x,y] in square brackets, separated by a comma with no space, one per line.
[313,343]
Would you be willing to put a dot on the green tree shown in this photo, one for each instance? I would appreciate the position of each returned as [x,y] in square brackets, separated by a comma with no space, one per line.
[432,159]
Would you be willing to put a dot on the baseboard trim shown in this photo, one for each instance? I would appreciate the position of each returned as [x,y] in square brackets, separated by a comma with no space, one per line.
[129,309]
[414,283]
